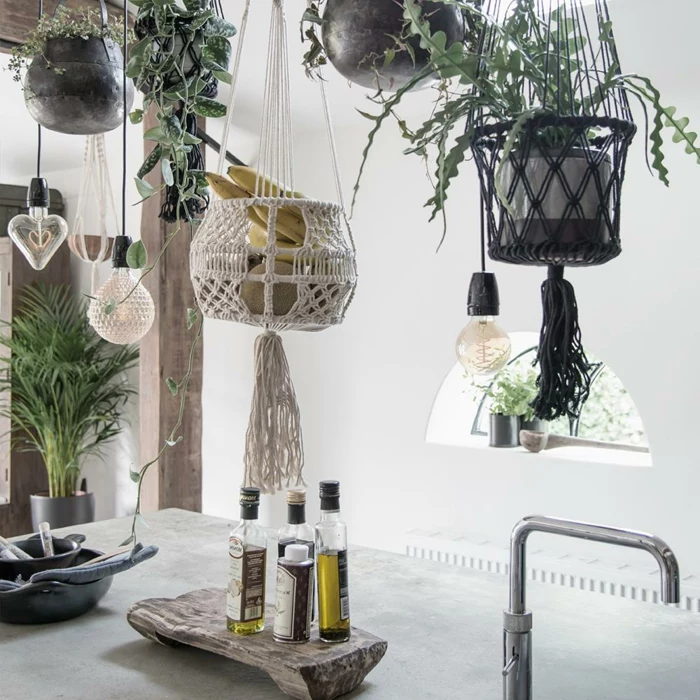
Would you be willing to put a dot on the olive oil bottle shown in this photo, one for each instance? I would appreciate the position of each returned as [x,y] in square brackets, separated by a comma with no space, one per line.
[245,600]
[332,567]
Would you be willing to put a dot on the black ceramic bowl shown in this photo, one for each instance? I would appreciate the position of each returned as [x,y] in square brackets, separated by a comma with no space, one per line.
[66,552]
[51,601]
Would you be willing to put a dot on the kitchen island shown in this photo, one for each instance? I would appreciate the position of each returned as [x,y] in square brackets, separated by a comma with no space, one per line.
[443,625]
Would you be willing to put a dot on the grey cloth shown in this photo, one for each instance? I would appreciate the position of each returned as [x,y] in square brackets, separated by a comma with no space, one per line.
[88,573]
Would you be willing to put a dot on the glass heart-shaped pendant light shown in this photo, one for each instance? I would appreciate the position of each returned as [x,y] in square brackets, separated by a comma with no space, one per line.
[38,234]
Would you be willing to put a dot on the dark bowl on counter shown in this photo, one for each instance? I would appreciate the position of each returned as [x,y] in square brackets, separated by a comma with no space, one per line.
[51,601]
[66,551]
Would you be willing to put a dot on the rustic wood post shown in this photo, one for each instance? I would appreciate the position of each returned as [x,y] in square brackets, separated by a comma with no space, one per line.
[176,481]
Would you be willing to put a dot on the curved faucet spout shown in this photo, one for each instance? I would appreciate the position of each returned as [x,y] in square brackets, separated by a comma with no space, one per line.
[666,559]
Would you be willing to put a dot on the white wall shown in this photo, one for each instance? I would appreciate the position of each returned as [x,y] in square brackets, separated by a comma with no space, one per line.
[366,388]
[62,157]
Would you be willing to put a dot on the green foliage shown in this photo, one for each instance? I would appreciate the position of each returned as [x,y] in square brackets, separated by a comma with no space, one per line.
[136,256]
[63,387]
[65,23]
[514,81]
[512,391]
[157,65]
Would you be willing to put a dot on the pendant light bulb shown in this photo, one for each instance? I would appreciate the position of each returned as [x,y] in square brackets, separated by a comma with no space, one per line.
[483,347]
[38,235]
[122,310]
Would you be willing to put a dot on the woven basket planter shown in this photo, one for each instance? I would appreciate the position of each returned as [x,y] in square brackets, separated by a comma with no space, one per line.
[314,294]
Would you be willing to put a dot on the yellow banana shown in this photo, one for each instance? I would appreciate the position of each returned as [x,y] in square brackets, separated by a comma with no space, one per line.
[290,223]
[258,238]
[225,188]
[246,178]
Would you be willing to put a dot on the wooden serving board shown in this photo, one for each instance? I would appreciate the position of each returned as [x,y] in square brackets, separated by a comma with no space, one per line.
[312,671]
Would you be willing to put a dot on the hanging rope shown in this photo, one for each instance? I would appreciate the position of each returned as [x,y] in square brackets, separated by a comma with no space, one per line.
[274,455]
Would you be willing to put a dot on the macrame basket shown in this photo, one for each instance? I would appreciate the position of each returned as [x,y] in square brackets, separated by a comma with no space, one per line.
[304,287]
[316,293]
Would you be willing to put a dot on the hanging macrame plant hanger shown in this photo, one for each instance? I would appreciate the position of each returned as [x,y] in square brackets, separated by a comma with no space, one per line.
[241,270]
[551,183]
[95,186]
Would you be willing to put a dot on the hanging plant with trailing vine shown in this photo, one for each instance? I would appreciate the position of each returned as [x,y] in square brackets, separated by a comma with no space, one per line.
[181,55]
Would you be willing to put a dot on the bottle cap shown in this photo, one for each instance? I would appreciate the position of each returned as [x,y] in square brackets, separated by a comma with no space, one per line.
[296,552]
[121,245]
[38,193]
[250,496]
[329,489]
[296,497]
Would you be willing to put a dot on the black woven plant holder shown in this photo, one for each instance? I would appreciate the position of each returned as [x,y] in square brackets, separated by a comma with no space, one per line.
[562,185]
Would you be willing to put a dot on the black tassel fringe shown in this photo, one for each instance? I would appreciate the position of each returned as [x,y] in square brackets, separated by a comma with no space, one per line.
[564,381]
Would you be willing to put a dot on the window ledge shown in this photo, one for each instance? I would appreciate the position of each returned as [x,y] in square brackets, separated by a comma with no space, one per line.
[580,455]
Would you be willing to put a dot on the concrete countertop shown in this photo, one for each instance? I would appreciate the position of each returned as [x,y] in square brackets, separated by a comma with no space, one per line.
[443,625]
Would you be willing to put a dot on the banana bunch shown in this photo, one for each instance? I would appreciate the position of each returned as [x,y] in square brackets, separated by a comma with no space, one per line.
[290,226]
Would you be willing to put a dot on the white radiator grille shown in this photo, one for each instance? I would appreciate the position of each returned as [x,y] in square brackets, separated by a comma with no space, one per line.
[587,574]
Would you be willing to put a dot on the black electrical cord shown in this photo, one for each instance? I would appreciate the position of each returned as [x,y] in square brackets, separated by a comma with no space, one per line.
[126,116]
[38,126]
[483,236]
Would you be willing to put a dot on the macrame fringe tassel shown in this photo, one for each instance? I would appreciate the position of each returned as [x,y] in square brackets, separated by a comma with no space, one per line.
[564,381]
[274,452]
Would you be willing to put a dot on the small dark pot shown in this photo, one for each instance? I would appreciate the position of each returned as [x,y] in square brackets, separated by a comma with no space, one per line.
[85,99]
[536,425]
[504,430]
[66,552]
[62,512]
[356,33]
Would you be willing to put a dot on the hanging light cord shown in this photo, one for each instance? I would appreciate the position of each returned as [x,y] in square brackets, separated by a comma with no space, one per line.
[126,116]
[483,238]
[38,126]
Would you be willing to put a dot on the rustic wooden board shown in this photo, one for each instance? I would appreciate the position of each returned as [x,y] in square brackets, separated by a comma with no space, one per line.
[312,671]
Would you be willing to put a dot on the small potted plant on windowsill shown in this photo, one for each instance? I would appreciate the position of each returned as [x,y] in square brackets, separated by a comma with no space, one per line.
[64,390]
[512,393]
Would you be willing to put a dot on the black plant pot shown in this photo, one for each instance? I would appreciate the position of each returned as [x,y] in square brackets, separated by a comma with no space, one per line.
[85,96]
[356,33]
[62,512]
[504,431]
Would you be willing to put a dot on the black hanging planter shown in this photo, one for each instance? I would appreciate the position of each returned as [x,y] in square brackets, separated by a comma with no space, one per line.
[75,86]
[554,200]
[356,34]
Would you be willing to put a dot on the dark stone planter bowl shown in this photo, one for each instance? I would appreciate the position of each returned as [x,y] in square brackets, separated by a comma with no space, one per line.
[86,96]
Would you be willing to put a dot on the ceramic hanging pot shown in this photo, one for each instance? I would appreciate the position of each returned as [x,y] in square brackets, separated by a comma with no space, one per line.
[357,33]
[75,86]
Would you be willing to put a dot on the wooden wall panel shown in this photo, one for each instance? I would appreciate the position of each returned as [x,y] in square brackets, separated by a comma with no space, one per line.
[176,482]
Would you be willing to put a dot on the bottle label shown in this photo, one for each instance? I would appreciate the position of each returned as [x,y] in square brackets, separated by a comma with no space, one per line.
[246,588]
[343,584]
[293,602]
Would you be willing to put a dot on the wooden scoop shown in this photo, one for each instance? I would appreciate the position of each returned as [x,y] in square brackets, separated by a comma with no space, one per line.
[536,442]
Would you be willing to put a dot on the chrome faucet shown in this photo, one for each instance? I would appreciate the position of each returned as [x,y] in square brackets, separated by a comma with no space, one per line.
[517,624]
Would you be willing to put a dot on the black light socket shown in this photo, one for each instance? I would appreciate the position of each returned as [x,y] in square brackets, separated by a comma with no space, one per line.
[483,297]
[121,245]
[38,193]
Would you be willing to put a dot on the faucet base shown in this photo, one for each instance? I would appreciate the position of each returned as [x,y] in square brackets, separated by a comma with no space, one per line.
[517,655]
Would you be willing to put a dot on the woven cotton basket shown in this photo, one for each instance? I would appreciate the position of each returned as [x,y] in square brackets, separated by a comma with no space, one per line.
[323,272]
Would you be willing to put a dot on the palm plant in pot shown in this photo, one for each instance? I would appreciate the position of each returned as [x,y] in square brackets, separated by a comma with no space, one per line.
[73,82]
[64,390]
[543,106]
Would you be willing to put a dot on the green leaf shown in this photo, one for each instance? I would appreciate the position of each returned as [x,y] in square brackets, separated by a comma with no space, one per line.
[151,161]
[110,306]
[172,128]
[223,76]
[141,48]
[134,66]
[172,385]
[191,318]
[154,134]
[216,53]
[220,27]
[206,107]
[131,539]
[137,256]
[134,476]
[172,443]
[141,521]
[190,139]
[136,117]
[144,189]
[167,172]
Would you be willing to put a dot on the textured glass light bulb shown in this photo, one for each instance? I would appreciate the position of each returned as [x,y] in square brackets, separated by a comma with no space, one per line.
[483,347]
[118,314]
[38,234]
